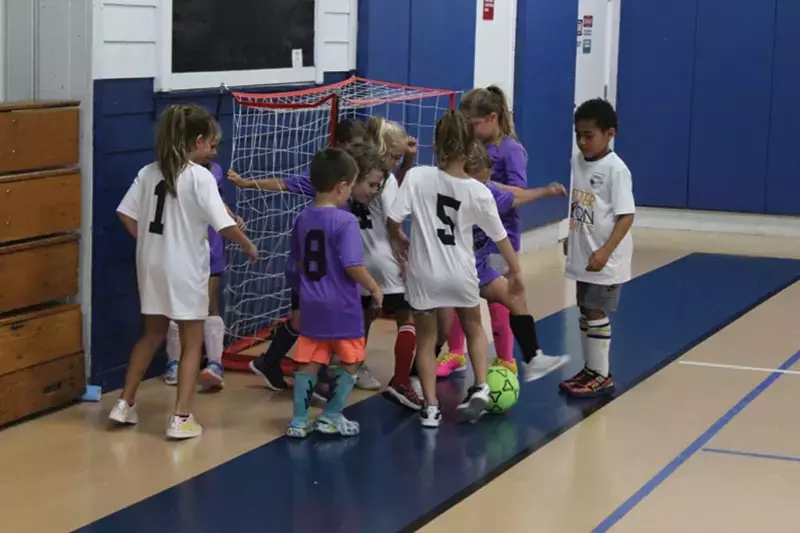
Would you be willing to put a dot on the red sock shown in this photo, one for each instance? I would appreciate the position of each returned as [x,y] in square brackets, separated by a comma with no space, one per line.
[404,347]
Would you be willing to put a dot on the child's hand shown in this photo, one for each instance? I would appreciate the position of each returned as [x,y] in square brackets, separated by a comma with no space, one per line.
[556,189]
[400,245]
[235,178]
[377,298]
[515,286]
[598,260]
[252,252]
[411,147]
[240,222]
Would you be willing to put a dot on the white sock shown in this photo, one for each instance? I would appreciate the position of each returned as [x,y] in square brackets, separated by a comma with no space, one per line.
[598,344]
[214,332]
[173,342]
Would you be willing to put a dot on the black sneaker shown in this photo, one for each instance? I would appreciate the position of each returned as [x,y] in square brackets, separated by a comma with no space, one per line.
[271,374]
[475,403]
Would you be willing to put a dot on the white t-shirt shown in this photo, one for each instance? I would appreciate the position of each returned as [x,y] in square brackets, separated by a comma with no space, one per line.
[441,262]
[172,254]
[601,191]
[378,257]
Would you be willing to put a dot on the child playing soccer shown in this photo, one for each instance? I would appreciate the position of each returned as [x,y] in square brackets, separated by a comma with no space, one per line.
[327,253]
[599,246]
[493,286]
[168,210]
[494,127]
[445,203]
[211,378]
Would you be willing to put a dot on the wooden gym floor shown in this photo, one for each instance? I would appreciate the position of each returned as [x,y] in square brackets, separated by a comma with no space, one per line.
[705,355]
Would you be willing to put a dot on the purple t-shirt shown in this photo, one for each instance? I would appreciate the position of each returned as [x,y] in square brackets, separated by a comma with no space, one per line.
[215,243]
[483,244]
[300,184]
[509,164]
[325,241]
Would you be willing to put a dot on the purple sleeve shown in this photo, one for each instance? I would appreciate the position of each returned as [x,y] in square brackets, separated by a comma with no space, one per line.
[216,170]
[300,184]
[351,252]
[503,199]
[516,164]
[294,247]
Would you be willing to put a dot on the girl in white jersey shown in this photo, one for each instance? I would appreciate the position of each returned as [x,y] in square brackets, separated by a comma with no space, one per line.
[168,210]
[445,203]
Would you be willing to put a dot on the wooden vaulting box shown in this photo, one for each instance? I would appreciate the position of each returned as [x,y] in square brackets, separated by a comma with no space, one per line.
[41,345]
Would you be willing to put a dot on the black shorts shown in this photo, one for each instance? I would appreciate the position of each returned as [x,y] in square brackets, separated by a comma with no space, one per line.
[295,301]
[216,275]
[392,303]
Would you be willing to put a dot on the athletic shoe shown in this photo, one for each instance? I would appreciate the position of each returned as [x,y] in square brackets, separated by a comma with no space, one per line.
[541,365]
[171,375]
[474,404]
[511,366]
[365,380]
[584,375]
[183,427]
[404,395]
[336,425]
[593,385]
[122,413]
[449,363]
[272,375]
[298,428]
[211,378]
[430,416]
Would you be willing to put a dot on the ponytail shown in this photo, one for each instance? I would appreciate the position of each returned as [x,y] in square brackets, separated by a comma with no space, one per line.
[454,137]
[482,102]
[178,129]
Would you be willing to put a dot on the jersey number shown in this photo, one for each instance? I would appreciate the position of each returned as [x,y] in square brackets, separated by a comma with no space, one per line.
[362,214]
[157,225]
[314,255]
[448,238]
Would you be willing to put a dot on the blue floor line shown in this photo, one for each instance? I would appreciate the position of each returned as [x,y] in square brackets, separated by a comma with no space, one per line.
[692,449]
[754,454]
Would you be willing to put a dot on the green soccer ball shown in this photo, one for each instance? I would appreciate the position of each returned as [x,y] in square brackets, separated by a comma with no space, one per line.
[503,389]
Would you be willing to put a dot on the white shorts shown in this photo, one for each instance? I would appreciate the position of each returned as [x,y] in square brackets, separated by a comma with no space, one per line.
[497,262]
[175,296]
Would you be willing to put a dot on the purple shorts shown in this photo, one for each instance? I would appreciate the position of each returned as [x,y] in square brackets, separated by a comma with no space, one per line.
[486,274]
[217,252]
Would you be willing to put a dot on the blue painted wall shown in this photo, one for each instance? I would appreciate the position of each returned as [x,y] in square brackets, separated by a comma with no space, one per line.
[705,114]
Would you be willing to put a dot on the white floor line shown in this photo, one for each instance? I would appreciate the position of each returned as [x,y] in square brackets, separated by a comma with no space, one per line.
[739,367]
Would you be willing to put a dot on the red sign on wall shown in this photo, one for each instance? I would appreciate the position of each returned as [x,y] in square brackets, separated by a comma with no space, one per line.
[488,9]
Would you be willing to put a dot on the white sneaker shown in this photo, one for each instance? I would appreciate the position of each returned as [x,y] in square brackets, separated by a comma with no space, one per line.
[475,403]
[430,416]
[541,365]
[365,380]
[183,428]
[211,378]
[122,413]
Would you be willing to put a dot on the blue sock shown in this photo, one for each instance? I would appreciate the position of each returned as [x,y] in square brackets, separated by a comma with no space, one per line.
[304,384]
[342,387]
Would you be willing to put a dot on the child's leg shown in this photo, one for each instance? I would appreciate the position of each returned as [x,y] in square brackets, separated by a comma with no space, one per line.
[596,302]
[501,330]
[211,377]
[425,325]
[444,322]
[173,354]
[268,364]
[453,360]
[456,339]
[155,329]
[364,378]
[477,397]
[400,387]
[351,353]
[182,424]
[310,355]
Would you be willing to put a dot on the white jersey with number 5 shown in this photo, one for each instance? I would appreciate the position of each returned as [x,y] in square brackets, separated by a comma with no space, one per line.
[378,257]
[172,254]
[441,261]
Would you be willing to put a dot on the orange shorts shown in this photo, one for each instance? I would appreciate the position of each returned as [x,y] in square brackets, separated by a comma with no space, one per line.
[350,351]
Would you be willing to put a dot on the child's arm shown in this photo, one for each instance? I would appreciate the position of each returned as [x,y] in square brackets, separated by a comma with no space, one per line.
[514,274]
[216,213]
[624,209]
[351,254]
[516,165]
[266,184]
[239,220]
[233,233]
[363,278]
[408,160]
[599,258]
[525,196]
[130,224]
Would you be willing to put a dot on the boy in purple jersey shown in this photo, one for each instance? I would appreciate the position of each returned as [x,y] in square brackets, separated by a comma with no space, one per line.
[212,376]
[329,260]
[493,285]
[494,127]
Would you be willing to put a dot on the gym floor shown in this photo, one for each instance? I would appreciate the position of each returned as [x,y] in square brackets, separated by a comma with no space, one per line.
[704,353]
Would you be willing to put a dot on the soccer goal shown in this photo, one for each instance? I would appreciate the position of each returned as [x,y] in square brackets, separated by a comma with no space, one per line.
[275,135]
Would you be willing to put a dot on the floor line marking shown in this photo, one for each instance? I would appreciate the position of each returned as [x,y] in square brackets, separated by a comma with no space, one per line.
[740,367]
[754,454]
[620,512]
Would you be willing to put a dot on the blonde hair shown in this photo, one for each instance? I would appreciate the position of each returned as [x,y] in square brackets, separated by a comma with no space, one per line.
[479,160]
[178,129]
[482,102]
[385,134]
[454,137]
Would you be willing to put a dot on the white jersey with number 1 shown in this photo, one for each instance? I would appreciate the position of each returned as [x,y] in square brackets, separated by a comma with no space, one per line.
[444,209]
[172,254]
[378,257]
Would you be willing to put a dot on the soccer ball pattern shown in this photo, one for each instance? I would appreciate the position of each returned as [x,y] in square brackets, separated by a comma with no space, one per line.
[503,389]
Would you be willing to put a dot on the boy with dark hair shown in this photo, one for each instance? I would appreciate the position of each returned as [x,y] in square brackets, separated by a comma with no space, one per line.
[329,263]
[600,246]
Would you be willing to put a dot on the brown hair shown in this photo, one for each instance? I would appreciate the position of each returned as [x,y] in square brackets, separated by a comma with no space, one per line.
[349,129]
[331,166]
[478,160]
[482,102]
[385,134]
[367,158]
[178,129]
[454,137]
